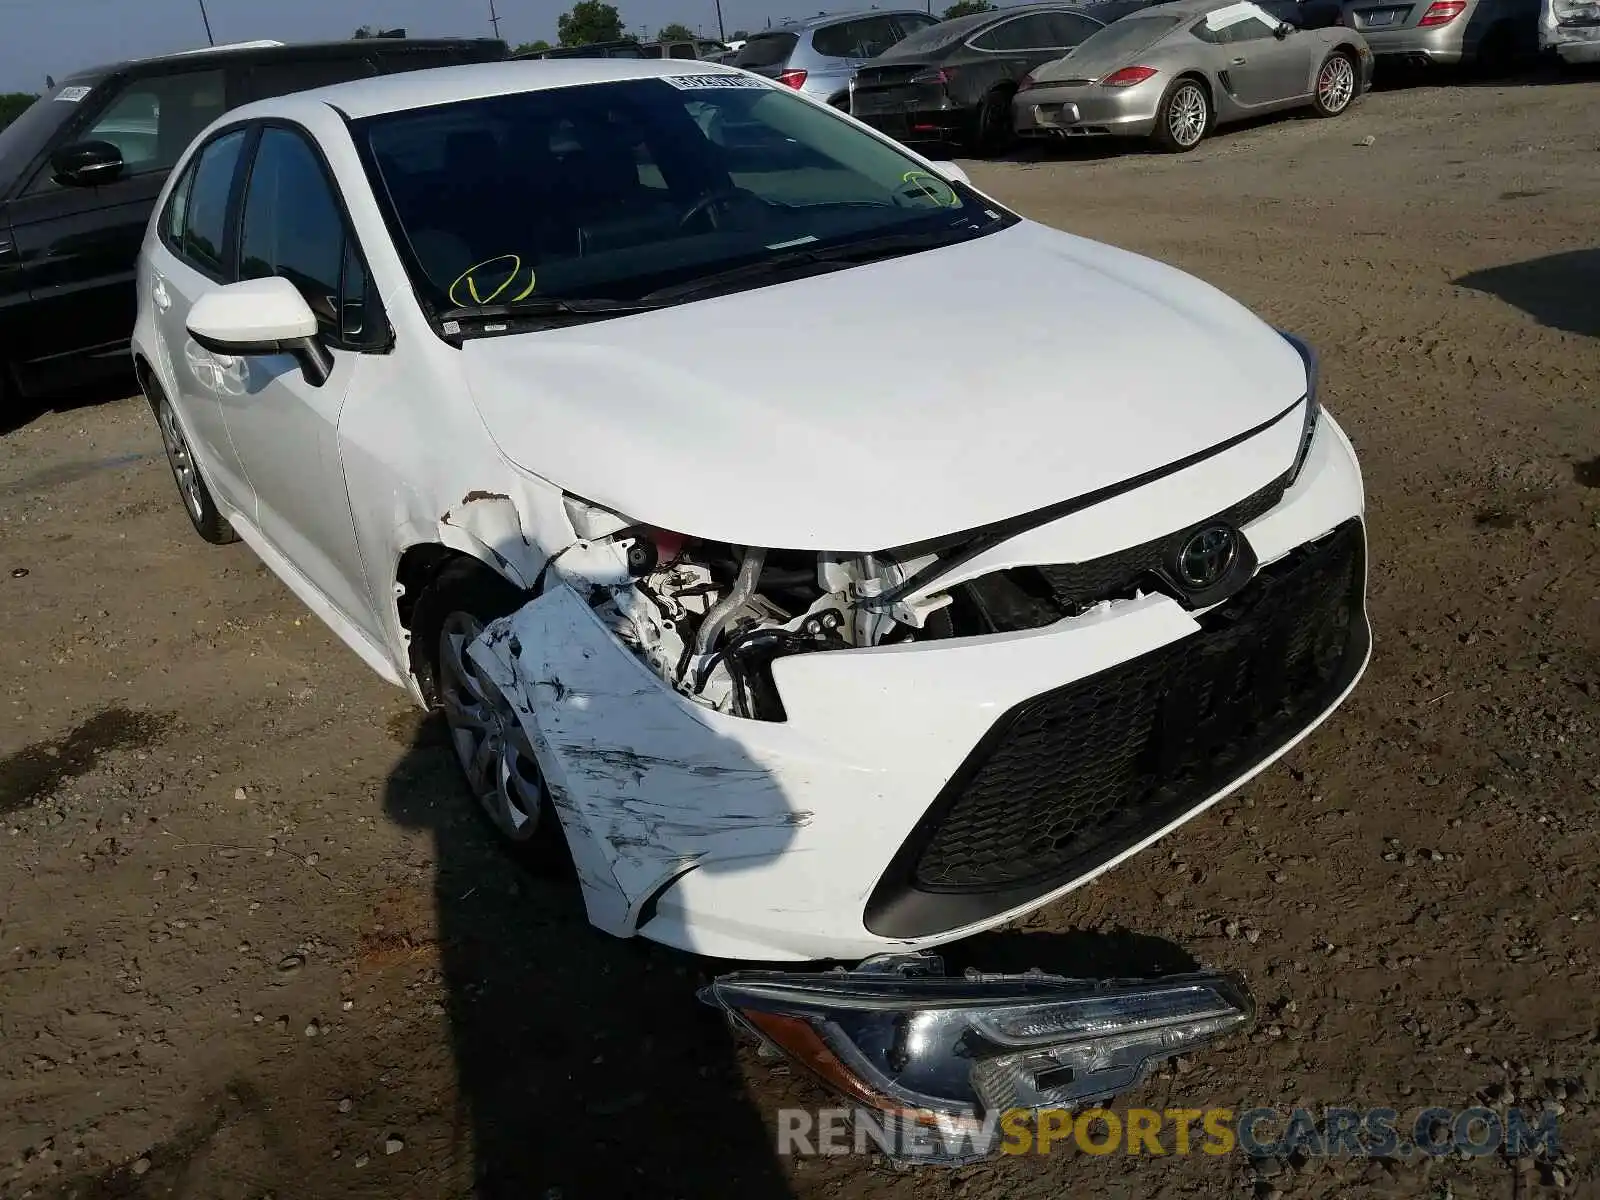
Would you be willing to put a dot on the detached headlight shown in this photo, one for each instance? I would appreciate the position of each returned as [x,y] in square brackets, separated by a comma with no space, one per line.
[920,1048]
[1313,405]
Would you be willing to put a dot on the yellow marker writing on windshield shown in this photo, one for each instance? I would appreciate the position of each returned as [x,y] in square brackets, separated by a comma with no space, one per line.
[470,278]
[934,188]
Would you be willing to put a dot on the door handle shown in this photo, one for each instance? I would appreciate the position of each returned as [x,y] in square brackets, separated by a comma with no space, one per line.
[1237,62]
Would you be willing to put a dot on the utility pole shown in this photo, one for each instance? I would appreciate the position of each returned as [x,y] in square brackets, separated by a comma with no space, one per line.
[210,41]
[494,18]
[722,34]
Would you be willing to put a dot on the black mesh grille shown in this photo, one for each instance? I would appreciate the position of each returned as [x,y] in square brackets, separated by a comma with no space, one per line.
[1074,777]
[1077,586]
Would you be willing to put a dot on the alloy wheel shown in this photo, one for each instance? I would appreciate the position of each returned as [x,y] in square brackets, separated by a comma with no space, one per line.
[181,460]
[488,737]
[1336,83]
[1186,115]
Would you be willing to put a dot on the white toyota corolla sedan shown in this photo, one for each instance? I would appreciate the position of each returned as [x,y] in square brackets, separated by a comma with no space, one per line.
[836,561]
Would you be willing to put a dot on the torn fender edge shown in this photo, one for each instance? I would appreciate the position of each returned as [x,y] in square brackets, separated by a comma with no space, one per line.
[488,526]
[645,787]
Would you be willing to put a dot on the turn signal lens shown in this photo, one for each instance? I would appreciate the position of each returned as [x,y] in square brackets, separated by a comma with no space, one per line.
[1128,76]
[1028,81]
[792,79]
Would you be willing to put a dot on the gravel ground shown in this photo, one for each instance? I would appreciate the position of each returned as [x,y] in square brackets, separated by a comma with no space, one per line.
[253,942]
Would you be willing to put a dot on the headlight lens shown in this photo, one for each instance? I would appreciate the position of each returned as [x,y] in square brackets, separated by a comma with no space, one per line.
[917,1047]
[1313,405]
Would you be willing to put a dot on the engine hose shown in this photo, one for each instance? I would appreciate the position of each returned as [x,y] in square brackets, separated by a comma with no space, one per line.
[744,586]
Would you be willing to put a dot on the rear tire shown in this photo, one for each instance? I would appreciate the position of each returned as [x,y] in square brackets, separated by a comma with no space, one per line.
[203,512]
[995,131]
[490,746]
[1336,85]
[1497,53]
[1184,116]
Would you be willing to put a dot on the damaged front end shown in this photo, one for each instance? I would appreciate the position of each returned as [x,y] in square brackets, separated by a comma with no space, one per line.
[933,1062]
[710,618]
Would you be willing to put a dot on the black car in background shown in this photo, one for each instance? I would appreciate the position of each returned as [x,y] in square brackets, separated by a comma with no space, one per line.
[81,168]
[953,82]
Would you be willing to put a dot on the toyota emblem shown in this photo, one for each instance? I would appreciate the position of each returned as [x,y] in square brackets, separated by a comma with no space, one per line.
[1204,559]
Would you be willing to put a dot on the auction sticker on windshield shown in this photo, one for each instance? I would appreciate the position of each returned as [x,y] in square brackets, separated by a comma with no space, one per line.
[697,83]
[71,94]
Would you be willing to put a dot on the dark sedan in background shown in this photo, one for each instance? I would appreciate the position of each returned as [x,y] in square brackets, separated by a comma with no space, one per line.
[953,82]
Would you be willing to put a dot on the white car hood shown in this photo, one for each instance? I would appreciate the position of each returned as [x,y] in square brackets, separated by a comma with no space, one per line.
[885,404]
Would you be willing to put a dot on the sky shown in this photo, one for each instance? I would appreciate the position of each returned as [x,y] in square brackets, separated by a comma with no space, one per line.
[56,37]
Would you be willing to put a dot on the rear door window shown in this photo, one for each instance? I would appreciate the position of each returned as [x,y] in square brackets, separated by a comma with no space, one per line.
[1069,29]
[1032,32]
[866,37]
[279,79]
[205,223]
[911,23]
[766,50]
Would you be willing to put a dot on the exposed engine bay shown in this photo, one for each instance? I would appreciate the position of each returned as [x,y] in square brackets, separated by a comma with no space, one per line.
[709,618]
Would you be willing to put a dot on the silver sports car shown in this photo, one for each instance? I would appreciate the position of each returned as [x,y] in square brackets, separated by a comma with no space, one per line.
[1174,71]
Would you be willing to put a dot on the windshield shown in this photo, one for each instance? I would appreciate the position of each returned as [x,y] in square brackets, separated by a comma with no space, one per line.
[1127,36]
[612,191]
[22,140]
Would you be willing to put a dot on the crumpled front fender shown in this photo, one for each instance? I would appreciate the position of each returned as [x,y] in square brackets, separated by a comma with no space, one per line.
[644,783]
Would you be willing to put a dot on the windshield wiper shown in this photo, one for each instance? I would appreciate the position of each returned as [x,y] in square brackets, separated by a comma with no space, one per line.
[827,258]
[546,306]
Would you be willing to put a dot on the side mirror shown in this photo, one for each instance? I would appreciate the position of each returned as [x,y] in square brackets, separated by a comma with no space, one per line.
[1283,30]
[261,316]
[950,171]
[86,164]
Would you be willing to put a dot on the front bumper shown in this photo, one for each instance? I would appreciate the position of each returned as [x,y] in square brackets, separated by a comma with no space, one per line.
[1087,110]
[783,841]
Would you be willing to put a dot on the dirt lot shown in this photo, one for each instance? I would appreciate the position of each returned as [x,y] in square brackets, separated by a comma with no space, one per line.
[253,942]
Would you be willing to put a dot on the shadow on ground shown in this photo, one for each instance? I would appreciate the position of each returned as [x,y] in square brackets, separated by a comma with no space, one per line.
[584,1063]
[17,410]
[1559,290]
[587,1063]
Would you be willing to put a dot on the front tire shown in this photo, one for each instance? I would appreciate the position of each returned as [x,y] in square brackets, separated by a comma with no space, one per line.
[1336,85]
[204,514]
[485,731]
[1184,116]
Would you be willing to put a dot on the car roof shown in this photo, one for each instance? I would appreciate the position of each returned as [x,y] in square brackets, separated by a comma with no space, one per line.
[373,97]
[1187,8]
[271,52]
[822,19]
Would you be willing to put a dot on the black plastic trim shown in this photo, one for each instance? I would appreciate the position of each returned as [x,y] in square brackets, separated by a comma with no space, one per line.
[898,908]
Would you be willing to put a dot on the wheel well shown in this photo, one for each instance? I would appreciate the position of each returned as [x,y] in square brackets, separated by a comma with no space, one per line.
[1350,52]
[146,377]
[1205,86]
[840,100]
[419,566]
